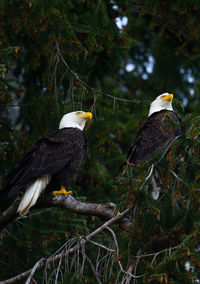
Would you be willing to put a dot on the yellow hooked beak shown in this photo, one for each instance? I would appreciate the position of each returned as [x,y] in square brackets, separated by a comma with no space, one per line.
[87,115]
[168,98]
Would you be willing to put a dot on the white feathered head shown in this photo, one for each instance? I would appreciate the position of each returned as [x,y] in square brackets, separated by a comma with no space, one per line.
[163,101]
[76,119]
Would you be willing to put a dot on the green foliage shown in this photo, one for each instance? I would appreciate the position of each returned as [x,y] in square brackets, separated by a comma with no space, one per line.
[37,87]
[172,220]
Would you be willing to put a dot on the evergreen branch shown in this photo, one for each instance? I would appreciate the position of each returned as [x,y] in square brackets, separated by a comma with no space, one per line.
[55,258]
[93,90]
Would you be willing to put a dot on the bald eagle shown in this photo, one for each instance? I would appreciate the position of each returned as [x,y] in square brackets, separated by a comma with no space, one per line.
[54,159]
[160,129]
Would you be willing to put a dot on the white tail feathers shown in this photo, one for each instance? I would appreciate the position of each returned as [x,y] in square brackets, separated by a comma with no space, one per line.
[156,189]
[32,193]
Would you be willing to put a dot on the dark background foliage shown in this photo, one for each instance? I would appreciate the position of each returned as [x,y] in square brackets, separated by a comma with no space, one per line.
[114,71]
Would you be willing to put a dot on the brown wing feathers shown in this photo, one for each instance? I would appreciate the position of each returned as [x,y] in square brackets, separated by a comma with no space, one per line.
[157,132]
[48,156]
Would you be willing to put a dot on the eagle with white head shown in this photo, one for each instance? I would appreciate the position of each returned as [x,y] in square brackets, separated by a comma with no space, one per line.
[156,132]
[55,159]
[160,129]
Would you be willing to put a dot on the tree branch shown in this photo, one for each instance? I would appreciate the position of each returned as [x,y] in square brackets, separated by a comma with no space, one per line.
[58,257]
[9,215]
[104,211]
[93,269]
[35,267]
[93,90]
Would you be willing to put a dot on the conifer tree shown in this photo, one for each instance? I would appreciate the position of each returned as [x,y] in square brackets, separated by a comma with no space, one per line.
[60,56]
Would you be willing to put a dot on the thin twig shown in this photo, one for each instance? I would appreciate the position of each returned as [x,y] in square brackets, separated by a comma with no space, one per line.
[102,246]
[177,177]
[136,263]
[156,253]
[114,238]
[58,268]
[54,258]
[93,269]
[128,273]
[86,85]
[127,278]
[118,217]
[150,172]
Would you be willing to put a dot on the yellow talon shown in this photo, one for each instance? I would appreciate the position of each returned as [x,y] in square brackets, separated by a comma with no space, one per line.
[62,191]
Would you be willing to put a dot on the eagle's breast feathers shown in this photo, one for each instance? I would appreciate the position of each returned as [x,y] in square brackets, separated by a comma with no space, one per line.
[158,131]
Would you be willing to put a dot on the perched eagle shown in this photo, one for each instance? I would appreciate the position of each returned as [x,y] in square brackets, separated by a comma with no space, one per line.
[160,129]
[54,159]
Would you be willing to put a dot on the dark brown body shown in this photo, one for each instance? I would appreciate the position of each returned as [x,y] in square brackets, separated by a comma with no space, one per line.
[158,131]
[58,154]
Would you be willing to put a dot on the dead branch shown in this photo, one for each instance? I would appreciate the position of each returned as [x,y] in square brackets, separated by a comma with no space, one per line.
[9,215]
[58,257]
[115,239]
[102,246]
[104,211]
[128,272]
[34,270]
[93,269]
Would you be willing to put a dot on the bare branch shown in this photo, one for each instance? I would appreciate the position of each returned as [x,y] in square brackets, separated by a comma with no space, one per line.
[128,273]
[55,258]
[118,217]
[150,172]
[34,270]
[114,238]
[9,215]
[93,269]
[102,246]
[157,253]
[177,177]
[70,203]
[104,211]
[127,278]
